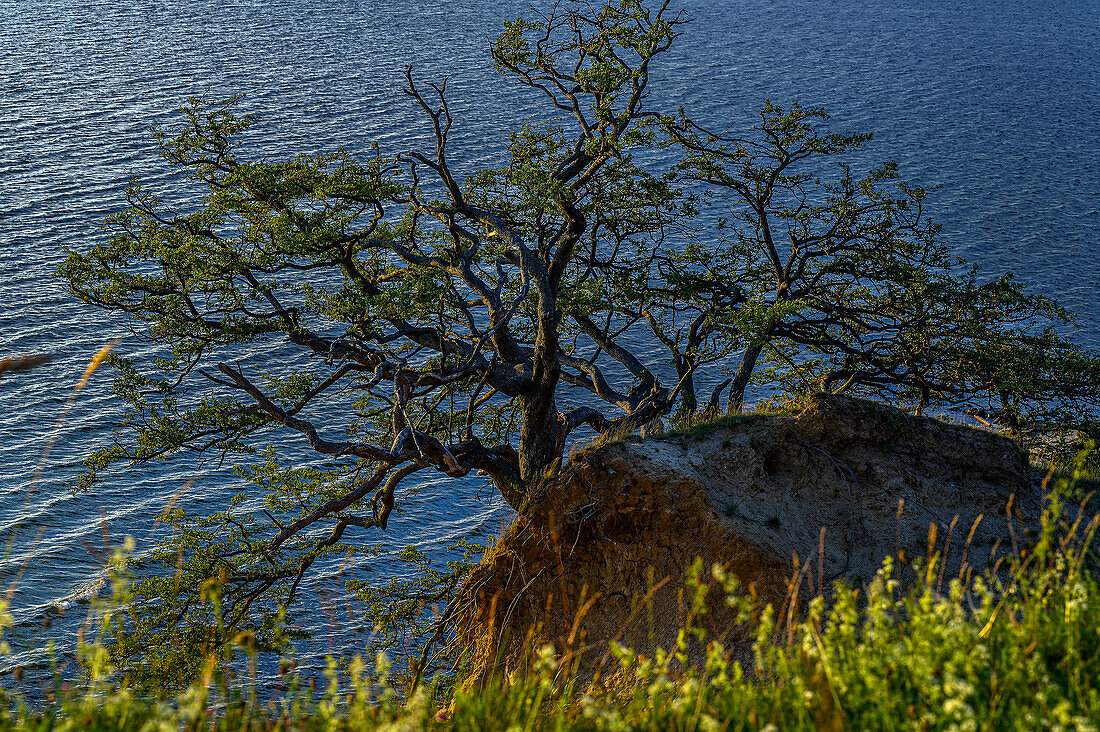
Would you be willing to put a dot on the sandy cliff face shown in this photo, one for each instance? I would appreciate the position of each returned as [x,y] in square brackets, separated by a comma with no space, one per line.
[750,494]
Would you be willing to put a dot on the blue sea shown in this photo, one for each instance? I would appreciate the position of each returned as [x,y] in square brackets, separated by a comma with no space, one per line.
[996,104]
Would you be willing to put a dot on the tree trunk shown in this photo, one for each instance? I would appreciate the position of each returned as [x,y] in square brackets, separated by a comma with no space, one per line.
[538,434]
[688,401]
[744,374]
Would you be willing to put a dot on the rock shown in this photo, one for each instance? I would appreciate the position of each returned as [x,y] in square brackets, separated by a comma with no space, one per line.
[750,492]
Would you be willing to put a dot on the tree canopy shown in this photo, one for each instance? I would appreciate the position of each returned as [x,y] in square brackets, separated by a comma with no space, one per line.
[431,325]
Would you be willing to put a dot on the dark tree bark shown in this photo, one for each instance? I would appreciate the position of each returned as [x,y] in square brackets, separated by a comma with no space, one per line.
[741,380]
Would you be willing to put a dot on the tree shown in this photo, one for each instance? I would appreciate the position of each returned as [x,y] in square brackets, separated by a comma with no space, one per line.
[847,286]
[480,325]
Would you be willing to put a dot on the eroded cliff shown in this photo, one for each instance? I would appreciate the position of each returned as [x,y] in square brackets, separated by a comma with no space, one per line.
[614,532]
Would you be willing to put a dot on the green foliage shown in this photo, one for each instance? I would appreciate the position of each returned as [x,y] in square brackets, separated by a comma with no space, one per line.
[845,285]
[402,323]
[1015,649]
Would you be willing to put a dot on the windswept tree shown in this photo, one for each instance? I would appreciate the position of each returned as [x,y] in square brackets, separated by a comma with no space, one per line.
[846,285]
[430,325]
[444,317]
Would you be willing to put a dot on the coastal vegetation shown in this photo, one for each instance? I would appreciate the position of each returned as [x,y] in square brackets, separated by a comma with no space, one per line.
[1018,649]
[406,319]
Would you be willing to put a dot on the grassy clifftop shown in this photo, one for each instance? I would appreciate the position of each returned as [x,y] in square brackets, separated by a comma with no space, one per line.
[1015,646]
[1019,654]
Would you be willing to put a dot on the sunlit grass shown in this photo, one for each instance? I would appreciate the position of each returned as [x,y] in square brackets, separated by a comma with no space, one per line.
[1018,649]
[1015,648]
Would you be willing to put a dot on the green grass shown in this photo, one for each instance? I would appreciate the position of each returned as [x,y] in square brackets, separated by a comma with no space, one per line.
[703,423]
[706,425]
[1016,650]
[1019,649]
